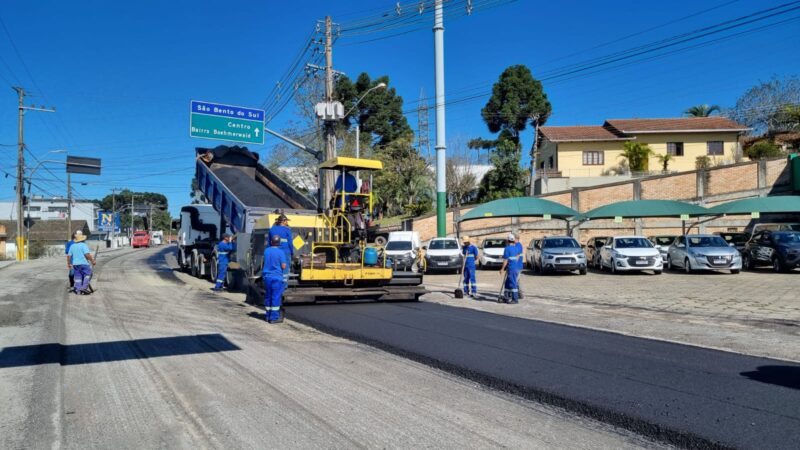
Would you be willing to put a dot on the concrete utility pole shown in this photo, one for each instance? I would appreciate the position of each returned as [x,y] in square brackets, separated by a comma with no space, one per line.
[330,136]
[441,184]
[113,217]
[20,241]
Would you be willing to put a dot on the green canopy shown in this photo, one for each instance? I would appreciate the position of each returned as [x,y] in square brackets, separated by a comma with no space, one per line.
[634,209]
[777,204]
[520,207]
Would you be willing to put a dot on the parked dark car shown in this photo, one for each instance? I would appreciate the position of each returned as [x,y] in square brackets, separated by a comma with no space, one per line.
[779,249]
[593,247]
[738,239]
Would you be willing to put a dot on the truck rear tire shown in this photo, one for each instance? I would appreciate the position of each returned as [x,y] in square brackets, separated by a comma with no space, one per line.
[212,271]
[380,241]
[193,266]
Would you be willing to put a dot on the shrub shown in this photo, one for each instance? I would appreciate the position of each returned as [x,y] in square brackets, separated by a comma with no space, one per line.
[763,149]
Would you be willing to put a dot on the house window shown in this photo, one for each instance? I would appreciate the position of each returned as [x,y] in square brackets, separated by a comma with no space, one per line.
[715,148]
[675,148]
[593,158]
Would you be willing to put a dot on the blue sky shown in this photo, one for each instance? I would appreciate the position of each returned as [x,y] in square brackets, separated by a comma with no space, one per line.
[121,74]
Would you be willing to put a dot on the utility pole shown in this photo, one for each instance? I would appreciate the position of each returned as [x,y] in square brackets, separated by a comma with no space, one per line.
[441,184]
[20,173]
[113,217]
[69,207]
[133,210]
[21,167]
[330,136]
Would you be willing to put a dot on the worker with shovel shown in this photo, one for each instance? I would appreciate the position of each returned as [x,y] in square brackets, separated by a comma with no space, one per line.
[470,253]
[512,262]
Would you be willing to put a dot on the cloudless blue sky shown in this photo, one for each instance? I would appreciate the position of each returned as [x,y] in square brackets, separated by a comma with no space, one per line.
[121,74]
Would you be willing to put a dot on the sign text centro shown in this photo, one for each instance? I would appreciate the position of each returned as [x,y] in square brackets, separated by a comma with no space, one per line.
[226,122]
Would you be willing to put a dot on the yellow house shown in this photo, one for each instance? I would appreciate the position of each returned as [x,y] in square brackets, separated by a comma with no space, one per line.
[591,151]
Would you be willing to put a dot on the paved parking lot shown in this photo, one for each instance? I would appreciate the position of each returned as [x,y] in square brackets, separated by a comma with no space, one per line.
[755,313]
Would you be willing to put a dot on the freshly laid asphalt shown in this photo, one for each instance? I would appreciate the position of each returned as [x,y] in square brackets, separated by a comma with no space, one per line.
[684,395]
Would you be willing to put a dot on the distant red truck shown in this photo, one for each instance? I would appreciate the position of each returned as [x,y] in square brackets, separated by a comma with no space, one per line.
[140,239]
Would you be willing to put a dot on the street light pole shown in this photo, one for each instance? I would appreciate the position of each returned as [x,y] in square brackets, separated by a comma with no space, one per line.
[30,195]
[441,185]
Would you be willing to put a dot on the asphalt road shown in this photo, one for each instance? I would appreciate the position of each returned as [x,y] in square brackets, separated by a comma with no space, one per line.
[689,396]
[154,360]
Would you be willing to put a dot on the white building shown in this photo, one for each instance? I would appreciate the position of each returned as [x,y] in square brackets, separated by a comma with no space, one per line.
[43,208]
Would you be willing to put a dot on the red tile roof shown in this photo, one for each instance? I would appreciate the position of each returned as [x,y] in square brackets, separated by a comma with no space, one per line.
[579,133]
[685,124]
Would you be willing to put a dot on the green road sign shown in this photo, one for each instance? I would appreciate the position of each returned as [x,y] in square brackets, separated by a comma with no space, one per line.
[226,123]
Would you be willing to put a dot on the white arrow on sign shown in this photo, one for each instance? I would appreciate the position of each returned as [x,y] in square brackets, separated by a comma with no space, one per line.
[256,131]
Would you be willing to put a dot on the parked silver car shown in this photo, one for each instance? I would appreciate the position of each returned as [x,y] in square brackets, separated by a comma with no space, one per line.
[703,252]
[530,252]
[662,243]
[627,253]
[593,247]
[559,253]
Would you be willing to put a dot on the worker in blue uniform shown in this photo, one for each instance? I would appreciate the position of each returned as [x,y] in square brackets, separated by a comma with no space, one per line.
[274,268]
[512,263]
[470,253]
[284,233]
[345,183]
[225,249]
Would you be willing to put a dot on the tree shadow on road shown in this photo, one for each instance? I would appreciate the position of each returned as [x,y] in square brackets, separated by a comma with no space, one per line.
[786,376]
[74,354]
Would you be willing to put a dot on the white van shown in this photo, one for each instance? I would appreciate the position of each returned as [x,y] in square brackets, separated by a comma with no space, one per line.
[403,246]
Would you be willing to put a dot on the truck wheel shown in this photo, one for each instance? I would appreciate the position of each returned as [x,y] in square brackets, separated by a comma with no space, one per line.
[213,269]
[193,266]
[233,279]
[380,241]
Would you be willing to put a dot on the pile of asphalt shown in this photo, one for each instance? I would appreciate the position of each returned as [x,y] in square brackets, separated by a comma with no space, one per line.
[684,395]
[247,189]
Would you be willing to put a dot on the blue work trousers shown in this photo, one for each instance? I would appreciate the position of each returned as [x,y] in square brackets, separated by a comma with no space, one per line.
[222,270]
[273,292]
[83,275]
[512,285]
[469,279]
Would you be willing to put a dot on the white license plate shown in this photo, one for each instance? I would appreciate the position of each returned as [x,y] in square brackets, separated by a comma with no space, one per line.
[641,263]
[720,261]
[441,264]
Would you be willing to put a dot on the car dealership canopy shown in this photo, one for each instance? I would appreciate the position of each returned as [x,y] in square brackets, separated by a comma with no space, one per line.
[520,207]
[634,209]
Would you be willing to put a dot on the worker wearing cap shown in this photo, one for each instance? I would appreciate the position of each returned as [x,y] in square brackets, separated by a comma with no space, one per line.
[275,264]
[470,253]
[69,266]
[282,230]
[512,261]
[78,258]
[225,248]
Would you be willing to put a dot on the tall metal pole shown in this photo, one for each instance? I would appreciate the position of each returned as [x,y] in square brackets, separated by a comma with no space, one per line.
[69,208]
[441,185]
[330,137]
[20,175]
[113,217]
[133,210]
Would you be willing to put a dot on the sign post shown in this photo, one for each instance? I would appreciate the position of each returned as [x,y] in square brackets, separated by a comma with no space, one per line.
[226,122]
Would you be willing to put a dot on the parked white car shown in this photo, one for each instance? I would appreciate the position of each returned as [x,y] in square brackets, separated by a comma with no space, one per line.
[630,253]
[443,254]
[491,253]
[703,252]
[402,248]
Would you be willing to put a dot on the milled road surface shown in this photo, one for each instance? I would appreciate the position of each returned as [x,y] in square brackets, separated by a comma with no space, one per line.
[687,395]
[151,362]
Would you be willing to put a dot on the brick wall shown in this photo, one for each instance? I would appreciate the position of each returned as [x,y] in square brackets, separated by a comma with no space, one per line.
[778,172]
[732,179]
[593,197]
[675,187]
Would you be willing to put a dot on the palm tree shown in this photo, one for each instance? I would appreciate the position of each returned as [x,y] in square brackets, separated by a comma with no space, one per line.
[664,160]
[701,110]
[637,154]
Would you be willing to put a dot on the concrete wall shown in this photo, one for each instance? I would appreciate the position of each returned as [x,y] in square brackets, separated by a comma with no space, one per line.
[708,188]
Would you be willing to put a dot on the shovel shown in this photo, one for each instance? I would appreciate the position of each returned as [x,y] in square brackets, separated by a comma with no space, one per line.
[502,288]
[459,293]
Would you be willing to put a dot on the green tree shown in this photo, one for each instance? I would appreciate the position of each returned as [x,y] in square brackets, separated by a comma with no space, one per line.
[141,202]
[664,160]
[380,113]
[763,149]
[506,179]
[405,184]
[517,99]
[637,155]
[703,110]
[787,118]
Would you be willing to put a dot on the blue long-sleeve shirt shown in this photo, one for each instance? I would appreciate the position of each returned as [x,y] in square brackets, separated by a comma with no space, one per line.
[285,233]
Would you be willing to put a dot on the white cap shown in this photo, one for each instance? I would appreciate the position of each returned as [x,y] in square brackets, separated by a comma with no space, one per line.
[511,237]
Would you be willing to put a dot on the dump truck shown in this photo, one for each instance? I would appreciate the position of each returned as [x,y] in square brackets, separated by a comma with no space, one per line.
[336,258]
